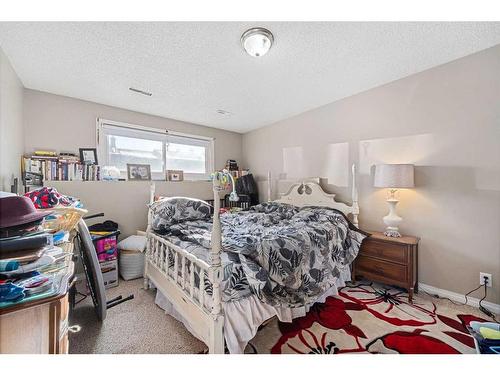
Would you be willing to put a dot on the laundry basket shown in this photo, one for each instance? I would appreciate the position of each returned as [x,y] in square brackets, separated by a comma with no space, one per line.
[62,218]
[131,263]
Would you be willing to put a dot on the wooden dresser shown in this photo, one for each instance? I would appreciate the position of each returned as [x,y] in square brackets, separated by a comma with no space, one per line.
[389,260]
[39,326]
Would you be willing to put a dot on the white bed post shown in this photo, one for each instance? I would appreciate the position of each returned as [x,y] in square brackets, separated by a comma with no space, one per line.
[355,205]
[216,339]
[152,189]
[269,198]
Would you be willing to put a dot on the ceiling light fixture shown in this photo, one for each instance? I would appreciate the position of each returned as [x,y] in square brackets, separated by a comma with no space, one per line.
[257,41]
[223,112]
[140,91]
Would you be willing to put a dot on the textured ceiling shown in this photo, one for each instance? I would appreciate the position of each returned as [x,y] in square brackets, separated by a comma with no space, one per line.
[195,69]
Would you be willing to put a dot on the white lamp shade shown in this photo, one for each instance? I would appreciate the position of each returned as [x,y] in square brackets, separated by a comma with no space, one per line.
[394,176]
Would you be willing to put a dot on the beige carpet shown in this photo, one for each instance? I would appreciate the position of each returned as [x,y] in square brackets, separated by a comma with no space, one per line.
[139,326]
[136,326]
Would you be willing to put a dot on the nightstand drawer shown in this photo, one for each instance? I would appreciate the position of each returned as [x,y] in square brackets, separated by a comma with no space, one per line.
[383,269]
[385,250]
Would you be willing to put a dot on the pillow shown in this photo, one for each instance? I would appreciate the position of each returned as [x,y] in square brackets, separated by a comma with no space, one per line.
[133,243]
[168,211]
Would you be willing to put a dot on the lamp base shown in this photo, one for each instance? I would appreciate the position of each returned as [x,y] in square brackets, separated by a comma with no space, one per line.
[392,220]
[392,233]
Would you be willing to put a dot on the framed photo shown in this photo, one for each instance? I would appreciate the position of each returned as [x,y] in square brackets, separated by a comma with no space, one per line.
[138,172]
[174,175]
[88,156]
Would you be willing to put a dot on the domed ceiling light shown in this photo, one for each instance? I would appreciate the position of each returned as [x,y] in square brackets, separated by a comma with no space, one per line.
[257,41]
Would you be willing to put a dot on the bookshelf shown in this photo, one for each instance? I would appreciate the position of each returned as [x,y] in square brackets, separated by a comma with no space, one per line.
[37,168]
[234,170]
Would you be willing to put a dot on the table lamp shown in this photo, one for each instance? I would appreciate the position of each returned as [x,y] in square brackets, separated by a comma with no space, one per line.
[394,177]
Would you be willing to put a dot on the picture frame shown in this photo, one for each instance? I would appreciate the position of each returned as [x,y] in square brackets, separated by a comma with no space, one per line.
[175,175]
[88,156]
[138,172]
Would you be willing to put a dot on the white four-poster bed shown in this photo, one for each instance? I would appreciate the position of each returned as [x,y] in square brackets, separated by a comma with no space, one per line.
[201,312]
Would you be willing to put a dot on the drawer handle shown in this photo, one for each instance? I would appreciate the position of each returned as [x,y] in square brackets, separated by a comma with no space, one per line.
[74,329]
[379,270]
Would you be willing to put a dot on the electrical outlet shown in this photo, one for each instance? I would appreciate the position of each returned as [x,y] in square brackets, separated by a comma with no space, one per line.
[482,275]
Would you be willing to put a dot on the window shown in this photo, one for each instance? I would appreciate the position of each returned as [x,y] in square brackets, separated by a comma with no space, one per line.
[120,144]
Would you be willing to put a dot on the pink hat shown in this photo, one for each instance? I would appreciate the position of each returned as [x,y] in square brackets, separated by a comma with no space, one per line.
[16,211]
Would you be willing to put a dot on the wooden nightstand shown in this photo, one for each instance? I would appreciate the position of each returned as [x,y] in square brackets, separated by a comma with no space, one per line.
[389,260]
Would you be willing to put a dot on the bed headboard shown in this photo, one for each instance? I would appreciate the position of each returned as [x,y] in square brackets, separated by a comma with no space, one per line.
[308,193]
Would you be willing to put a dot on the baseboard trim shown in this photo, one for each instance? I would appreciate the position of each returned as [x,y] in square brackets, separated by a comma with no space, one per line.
[493,307]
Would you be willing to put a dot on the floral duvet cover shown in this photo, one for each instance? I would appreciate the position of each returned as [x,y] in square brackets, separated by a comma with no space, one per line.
[285,255]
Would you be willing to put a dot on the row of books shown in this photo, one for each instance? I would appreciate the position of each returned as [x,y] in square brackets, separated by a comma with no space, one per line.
[239,173]
[236,172]
[64,168]
[232,165]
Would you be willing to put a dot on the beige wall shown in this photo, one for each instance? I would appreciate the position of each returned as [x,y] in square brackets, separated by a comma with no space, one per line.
[59,123]
[11,124]
[126,201]
[447,122]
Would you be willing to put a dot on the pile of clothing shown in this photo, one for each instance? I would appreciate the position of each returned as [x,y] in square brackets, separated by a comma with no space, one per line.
[28,257]
[487,336]
[246,185]
[49,197]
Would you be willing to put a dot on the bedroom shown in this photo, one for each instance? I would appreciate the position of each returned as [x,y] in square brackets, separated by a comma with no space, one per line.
[367,153]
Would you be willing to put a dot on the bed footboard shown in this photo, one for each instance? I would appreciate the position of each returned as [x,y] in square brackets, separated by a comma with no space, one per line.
[186,280]
[186,272]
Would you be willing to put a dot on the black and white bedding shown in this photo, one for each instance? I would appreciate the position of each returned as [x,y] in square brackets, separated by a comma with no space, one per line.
[285,255]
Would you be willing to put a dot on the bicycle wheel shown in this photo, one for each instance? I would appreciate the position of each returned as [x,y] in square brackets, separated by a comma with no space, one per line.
[92,270]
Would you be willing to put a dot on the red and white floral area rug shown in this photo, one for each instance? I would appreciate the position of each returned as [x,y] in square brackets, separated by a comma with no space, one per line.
[370,318]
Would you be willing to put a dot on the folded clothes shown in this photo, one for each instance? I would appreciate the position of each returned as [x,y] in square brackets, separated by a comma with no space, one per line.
[33,281]
[14,279]
[32,241]
[36,284]
[60,237]
[475,325]
[57,252]
[23,256]
[45,260]
[490,334]
[9,265]
[21,230]
[10,292]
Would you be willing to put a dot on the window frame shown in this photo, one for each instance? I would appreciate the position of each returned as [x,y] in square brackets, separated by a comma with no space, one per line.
[103,154]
